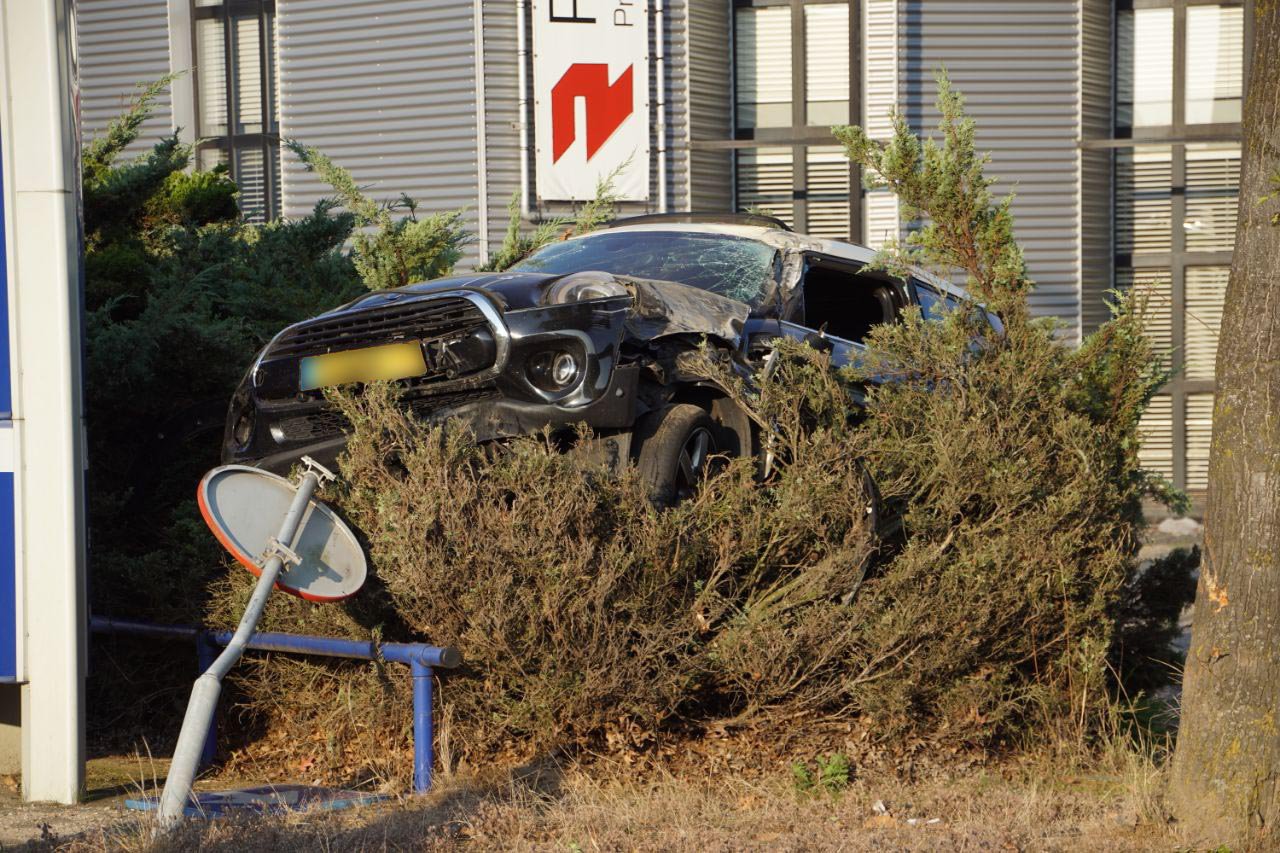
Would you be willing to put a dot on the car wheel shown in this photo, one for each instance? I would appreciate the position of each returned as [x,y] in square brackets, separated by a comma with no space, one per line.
[675,447]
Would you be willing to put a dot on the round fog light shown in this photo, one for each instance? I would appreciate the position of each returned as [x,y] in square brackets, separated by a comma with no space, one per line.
[564,369]
[554,370]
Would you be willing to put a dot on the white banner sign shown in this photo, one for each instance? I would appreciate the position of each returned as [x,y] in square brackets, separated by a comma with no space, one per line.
[591,97]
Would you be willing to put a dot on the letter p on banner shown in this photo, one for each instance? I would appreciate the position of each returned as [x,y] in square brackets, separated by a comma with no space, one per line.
[591,98]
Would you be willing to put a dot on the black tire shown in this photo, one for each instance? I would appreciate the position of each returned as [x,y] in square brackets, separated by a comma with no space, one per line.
[673,447]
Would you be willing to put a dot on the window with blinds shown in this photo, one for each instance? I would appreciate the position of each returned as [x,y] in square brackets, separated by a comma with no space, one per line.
[1213,178]
[1154,291]
[762,66]
[827,178]
[765,182]
[1176,239]
[1206,291]
[236,98]
[211,68]
[246,50]
[1144,67]
[1199,426]
[1156,433]
[826,40]
[1143,199]
[1215,63]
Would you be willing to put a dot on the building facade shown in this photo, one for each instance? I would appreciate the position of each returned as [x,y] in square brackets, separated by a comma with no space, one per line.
[1116,124]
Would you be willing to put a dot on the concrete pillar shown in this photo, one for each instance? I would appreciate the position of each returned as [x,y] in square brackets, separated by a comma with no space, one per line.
[41,203]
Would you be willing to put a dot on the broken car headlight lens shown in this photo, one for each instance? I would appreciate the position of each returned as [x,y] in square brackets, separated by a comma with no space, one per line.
[581,286]
[242,430]
[554,370]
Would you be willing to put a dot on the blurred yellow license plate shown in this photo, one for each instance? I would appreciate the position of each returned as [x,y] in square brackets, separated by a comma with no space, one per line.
[391,361]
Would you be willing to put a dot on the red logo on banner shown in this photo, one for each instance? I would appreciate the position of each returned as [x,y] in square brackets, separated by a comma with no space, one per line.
[607,106]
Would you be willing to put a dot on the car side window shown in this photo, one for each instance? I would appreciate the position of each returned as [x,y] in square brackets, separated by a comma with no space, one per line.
[843,302]
[933,305]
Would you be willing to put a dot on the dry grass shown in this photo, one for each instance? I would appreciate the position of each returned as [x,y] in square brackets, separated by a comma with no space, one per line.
[611,807]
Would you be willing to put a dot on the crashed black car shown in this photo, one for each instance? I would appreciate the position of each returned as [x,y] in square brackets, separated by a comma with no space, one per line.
[586,330]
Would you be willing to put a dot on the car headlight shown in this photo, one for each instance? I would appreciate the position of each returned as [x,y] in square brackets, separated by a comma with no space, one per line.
[581,286]
[555,370]
[242,427]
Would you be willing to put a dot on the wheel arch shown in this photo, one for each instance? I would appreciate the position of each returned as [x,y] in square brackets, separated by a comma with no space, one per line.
[739,434]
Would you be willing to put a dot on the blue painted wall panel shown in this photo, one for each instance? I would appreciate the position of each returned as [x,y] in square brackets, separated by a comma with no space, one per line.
[8,583]
[8,554]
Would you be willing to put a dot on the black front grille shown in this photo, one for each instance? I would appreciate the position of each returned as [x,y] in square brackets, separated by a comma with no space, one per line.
[421,319]
[330,423]
[315,426]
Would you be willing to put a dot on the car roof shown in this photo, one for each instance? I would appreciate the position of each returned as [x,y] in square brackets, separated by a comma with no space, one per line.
[781,239]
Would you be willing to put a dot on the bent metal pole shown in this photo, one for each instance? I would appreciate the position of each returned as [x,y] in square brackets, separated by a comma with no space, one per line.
[204,695]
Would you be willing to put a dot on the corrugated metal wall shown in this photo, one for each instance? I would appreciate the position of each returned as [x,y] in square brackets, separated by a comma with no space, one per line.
[676,44]
[386,89]
[710,104]
[1096,225]
[1015,61]
[502,113]
[122,43]
[880,97]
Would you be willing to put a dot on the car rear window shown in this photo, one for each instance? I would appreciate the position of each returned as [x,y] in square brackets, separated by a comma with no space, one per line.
[737,267]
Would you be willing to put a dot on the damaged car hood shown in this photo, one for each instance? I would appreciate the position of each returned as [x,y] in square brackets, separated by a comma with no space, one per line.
[664,308]
[660,308]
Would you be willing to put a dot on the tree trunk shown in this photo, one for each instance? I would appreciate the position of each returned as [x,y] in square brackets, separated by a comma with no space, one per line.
[1227,765]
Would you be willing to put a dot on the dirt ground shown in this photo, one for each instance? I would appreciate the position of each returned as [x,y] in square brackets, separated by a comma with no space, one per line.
[109,782]
[610,808]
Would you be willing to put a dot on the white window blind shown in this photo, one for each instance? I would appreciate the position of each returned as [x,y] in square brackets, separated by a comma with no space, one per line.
[247,50]
[826,38]
[211,71]
[880,65]
[1206,289]
[1154,287]
[1213,179]
[1143,209]
[765,182]
[881,217]
[1215,63]
[1144,67]
[1156,432]
[1199,437]
[762,64]
[250,174]
[827,178]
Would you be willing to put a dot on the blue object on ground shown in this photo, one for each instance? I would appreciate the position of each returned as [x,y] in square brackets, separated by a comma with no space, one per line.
[267,799]
[421,658]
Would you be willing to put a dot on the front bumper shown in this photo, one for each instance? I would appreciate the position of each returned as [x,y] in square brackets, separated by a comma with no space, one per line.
[495,401]
[489,420]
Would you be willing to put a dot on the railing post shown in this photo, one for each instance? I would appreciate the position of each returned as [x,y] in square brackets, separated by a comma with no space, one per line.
[421,658]
[423,731]
[207,652]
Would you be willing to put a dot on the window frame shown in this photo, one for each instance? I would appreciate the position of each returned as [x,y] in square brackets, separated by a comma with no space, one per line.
[1177,136]
[1178,127]
[267,141]
[801,136]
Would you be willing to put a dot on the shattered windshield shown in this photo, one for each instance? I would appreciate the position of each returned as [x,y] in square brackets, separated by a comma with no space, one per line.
[736,267]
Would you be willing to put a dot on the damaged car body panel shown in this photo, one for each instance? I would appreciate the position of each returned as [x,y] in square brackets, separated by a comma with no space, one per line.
[594,330]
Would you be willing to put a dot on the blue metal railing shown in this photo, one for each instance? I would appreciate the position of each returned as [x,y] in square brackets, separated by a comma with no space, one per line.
[421,658]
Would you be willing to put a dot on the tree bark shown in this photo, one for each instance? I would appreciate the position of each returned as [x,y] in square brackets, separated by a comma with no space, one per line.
[1227,764]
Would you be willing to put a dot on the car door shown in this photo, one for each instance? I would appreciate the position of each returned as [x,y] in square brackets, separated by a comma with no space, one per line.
[839,304]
